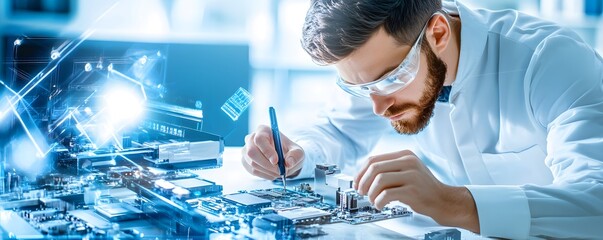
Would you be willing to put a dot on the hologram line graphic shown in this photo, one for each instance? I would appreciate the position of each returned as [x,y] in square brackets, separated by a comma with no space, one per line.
[57,56]
[81,127]
[237,104]
[14,110]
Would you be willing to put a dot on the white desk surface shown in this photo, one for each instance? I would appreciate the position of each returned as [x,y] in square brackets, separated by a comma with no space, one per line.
[233,177]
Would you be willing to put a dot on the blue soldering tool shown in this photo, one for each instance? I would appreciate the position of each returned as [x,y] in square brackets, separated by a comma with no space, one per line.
[278,147]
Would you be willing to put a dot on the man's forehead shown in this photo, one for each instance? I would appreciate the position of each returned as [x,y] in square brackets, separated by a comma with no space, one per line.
[369,62]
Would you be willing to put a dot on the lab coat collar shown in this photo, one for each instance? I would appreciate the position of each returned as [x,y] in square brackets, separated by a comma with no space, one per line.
[474,34]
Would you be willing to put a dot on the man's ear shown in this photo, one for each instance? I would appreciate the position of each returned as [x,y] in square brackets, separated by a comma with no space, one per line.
[438,33]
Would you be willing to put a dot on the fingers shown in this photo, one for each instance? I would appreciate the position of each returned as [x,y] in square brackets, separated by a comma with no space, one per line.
[294,165]
[259,154]
[378,158]
[294,156]
[389,195]
[388,180]
[395,165]
[263,140]
[256,162]
[257,172]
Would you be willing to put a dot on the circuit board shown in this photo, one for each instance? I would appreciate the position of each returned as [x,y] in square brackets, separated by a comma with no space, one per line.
[179,204]
[282,213]
[301,207]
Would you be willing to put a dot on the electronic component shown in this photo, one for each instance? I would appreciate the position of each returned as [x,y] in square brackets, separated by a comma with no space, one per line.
[198,187]
[268,194]
[15,224]
[306,215]
[118,172]
[91,219]
[41,214]
[187,187]
[164,186]
[116,212]
[247,203]
[178,152]
[282,227]
[199,150]
[350,200]
[55,227]
[272,221]
[181,193]
[444,234]
[328,179]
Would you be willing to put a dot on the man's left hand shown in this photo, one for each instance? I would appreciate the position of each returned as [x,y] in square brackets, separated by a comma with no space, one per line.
[401,176]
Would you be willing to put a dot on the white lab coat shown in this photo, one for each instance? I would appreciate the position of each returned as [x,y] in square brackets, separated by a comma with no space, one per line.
[523,130]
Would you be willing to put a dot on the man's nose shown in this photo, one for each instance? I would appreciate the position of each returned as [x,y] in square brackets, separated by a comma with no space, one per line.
[381,103]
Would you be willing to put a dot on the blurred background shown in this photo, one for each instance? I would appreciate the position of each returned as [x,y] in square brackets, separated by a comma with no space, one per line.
[274,68]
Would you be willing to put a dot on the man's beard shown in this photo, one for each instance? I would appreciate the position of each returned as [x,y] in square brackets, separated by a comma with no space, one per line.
[434,83]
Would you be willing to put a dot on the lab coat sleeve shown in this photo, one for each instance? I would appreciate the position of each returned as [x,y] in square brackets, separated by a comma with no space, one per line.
[567,98]
[340,135]
[565,94]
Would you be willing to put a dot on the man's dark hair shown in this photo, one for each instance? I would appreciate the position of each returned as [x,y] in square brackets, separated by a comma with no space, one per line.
[335,28]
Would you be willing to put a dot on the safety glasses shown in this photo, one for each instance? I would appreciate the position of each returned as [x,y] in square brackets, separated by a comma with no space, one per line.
[393,81]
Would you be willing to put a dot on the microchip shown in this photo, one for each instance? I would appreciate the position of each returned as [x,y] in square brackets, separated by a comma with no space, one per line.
[272,222]
[247,199]
[267,194]
[197,187]
[49,213]
[274,194]
[55,227]
[309,200]
[247,203]
[306,215]
[118,211]
[190,183]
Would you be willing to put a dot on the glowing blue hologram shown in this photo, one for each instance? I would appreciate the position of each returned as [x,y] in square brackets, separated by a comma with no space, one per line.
[67,49]
[82,129]
[143,60]
[29,133]
[158,53]
[88,67]
[237,103]
[125,77]
[110,67]
[54,54]
[18,106]
[99,65]
[198,104]
[28,162]
[144,66]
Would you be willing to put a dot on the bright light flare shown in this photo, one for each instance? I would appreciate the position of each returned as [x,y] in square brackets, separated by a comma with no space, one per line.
[123,105]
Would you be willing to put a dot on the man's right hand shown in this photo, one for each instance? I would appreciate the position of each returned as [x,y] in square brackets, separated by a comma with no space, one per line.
[260,158]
